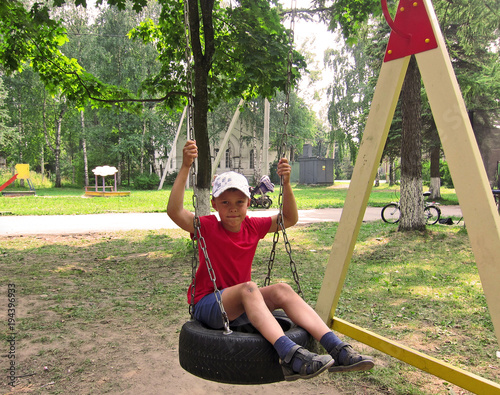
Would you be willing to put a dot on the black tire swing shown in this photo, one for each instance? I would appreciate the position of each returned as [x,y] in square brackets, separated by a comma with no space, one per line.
[234,355]
[243,357]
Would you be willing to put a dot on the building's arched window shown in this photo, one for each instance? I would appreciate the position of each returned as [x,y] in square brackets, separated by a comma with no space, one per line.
[252,159]
[216,152]
[228,159]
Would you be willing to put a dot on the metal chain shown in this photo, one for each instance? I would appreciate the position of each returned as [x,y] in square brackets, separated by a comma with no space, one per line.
[198,239]
[189,76]
[281,154]
[190,133]
[211,273]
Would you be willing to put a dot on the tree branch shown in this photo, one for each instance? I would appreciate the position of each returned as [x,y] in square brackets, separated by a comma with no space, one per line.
[90,96]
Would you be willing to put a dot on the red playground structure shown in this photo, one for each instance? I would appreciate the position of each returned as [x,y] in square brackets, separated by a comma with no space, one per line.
[10,181]
[22,173]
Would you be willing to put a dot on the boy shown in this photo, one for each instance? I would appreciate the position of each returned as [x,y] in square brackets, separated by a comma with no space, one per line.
[231,244]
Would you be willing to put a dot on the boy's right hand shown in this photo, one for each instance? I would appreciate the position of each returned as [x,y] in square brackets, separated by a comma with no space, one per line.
[175,209]
[284,170]
[189,153]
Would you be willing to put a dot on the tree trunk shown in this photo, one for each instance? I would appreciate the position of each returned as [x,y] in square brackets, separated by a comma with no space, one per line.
[42,161]
[254,147]
[412,216]
[84,148]
[392,172]
[435,187]
[119,166]
[377,180]
[120,160]
[44,124]
[57,146]
[202,66]
[142,145]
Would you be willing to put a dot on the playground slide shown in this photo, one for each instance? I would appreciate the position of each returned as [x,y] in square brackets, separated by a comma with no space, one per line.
[8,182]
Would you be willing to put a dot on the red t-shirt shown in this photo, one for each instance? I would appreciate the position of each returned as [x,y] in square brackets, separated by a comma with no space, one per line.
[231,254]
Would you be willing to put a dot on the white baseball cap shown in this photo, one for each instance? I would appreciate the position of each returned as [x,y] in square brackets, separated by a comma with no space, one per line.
[229,180]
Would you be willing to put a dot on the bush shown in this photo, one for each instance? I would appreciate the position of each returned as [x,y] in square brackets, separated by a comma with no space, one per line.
[444,171]
[146,181]
[170,178]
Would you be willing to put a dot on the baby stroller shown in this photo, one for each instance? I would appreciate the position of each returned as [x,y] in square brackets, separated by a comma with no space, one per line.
[264,186]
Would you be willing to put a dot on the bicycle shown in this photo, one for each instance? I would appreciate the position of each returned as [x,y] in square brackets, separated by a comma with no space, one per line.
[391,212]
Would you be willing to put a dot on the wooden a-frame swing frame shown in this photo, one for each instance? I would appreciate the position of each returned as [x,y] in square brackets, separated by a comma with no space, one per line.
[469,177]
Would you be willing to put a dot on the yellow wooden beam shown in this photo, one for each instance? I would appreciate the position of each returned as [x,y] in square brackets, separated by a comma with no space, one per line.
[471,184]
[436,367]
[466,166]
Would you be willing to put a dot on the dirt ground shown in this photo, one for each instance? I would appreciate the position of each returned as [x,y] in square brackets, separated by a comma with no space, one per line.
[120,358]
[139,360]
[112,356]
[128,356]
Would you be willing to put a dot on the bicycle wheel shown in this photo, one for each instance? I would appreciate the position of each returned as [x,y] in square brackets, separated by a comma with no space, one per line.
[432,214]
[391,213]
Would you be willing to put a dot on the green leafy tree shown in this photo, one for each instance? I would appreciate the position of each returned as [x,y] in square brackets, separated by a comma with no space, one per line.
[350,93]
[81,46]
[121,62]
[7,133]
[25,105]
[240,50]
[471,31]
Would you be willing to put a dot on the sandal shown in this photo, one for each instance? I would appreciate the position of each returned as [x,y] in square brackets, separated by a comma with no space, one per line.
[311,364]
[348,360]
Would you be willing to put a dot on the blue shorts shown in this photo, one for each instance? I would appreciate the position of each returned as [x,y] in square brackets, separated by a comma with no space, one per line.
[207,311]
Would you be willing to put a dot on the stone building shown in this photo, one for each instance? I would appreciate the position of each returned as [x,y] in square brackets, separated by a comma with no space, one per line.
[243,155]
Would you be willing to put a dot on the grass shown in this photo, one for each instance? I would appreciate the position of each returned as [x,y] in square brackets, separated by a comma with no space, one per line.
[81,293]
[69,201]
[421,289]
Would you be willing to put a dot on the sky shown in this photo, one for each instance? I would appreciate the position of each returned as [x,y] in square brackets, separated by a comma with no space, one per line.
[315,37]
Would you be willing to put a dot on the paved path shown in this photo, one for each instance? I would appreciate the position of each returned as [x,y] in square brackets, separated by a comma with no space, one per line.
[71,224]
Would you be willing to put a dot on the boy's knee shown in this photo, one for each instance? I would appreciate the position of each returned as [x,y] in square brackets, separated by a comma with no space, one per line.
[250,286]
[284,287]
[283,292]
[250,291]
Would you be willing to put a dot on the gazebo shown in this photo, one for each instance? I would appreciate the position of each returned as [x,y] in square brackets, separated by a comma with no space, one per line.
[103,190]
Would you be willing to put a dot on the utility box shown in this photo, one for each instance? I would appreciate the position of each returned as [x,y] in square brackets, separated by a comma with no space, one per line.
[314,170]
